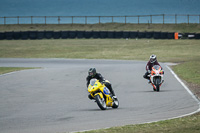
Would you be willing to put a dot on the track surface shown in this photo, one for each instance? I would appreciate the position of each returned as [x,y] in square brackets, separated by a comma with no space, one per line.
[54,98]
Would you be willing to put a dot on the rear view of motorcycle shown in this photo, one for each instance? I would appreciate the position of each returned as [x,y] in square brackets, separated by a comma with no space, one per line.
[156,77]
[101,95]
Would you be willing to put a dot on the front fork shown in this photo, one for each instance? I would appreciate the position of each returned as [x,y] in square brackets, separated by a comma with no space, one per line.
[153,78]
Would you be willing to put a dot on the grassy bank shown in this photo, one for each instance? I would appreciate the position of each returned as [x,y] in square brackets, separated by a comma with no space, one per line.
[4,70]
[185,52]
[188,124]
[132,49]
[181,28]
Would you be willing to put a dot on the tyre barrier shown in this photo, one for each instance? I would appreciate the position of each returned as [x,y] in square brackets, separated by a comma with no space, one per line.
[2,36]
[141,34]
[125,34]
[103,34]
[16,35]
[133,34]
[72,34]
[190,35]
[88,34]
[148,34]
[9,35]
[110,34]
[95,34]
[24,35]
[118,34]
[163,35]
[170,36]
[56,35]
[197,36]
[64,34]
[80,34]
[40,34]
[48,34]
[33,35]
[156,35]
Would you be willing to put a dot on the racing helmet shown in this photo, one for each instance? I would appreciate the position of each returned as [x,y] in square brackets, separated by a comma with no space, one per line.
[92,72]
[153,58]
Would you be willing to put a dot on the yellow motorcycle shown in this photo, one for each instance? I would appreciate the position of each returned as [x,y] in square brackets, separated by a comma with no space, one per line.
[102,95]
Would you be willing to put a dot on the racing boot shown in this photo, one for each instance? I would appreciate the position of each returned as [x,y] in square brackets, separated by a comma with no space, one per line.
[90,97]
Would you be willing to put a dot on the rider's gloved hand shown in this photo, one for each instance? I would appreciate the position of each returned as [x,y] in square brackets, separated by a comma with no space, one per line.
[149,71]
[163,71]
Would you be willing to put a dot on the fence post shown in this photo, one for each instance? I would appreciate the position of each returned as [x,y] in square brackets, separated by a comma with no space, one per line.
[151,19]
[58,19]
[17,19]
[112,19]
[85,19]
[199,19]
[31,19]
[188,18]
[99,20]
[4,20]
[138,19]
[163,18]
[175,18]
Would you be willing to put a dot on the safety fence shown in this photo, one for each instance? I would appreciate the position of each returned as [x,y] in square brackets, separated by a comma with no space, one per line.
[25,35]
[137,19]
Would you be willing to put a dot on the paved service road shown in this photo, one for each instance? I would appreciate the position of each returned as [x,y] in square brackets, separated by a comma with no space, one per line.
[54,98]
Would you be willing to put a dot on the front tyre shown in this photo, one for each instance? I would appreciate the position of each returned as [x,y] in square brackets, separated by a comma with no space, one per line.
[100,102]
[157,84]
[115,103]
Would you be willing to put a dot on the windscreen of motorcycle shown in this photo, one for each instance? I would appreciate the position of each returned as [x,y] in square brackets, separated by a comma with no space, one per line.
[92,81]
[156,67]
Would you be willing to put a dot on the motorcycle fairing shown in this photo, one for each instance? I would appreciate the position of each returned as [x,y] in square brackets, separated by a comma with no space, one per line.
[106,91]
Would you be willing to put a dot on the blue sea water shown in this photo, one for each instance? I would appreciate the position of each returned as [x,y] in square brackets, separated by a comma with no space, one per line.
[98,8]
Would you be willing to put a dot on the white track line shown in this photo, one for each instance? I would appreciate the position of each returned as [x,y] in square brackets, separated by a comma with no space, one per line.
[188,90]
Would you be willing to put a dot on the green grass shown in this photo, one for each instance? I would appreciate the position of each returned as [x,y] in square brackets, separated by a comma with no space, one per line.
[190,124]
[4,70]
[132,49]
[189,71]
[182,28]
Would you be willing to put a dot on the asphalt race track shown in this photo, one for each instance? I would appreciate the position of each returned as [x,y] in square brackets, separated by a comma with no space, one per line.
[54,98]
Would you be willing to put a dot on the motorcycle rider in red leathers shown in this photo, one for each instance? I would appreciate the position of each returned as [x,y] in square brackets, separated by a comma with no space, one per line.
[152,61]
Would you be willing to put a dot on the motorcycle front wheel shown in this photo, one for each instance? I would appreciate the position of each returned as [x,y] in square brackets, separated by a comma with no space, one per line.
[157,84]
[100,102]
[115,103]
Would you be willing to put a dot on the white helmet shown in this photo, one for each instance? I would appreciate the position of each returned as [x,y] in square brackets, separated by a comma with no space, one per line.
[153,58]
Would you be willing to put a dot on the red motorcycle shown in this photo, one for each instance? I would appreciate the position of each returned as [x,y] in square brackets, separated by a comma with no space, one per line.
[156,77]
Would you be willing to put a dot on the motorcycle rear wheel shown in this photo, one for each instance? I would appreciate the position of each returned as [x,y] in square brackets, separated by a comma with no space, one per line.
[100,102]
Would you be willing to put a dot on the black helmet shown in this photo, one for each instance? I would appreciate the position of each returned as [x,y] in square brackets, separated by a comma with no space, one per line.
[92,72]
[153,58]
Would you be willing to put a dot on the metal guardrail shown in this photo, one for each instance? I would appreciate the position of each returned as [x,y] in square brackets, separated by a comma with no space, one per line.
[137,19]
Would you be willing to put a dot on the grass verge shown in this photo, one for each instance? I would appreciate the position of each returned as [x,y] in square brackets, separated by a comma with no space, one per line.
[4,70]
[131,49]
[181,28]
[189,124]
